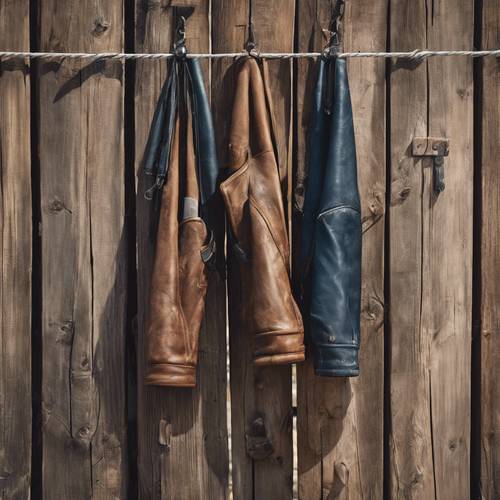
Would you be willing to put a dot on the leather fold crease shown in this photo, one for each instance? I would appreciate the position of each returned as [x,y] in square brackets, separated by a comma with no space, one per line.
[331,229]
[257,232]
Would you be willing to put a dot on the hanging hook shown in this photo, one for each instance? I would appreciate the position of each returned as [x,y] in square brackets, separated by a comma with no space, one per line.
[334,42]
[250,42]
[180,50]
[250,45]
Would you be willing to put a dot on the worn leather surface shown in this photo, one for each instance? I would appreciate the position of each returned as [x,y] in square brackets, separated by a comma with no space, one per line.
[183,242]
[257,232]
[331,231]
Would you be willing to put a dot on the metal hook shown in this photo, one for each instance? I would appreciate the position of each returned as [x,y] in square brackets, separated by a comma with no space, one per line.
[334,42]
[180,50]
[181,29]
[250,42]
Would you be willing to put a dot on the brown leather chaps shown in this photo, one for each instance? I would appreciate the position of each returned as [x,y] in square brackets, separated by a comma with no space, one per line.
[257,231]
[179,280]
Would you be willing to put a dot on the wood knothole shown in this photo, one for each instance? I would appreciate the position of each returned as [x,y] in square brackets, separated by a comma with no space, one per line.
[258,443]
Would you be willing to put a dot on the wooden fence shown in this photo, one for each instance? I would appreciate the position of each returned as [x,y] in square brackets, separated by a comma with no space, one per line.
[76,422]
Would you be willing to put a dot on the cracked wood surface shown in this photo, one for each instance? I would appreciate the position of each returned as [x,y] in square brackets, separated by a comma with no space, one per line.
[430,257]
[182,433]
[340,421]
[488,440]
[15,256]
[264,393]
[80,146]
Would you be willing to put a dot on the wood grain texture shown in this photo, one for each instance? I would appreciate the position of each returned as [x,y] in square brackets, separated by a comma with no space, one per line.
[15,256]
[80,148]
[489,443]
[340,421]
[430,257]
[182,432]
[264,392]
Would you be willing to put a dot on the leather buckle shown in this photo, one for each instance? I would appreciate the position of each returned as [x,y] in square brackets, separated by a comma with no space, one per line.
[209,251]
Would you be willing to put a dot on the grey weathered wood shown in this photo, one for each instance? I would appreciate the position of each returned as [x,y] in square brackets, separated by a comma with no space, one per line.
[15,256]
[182,433]
[430,282]
[255,393]
[340,421]
[489,443]
[80,147]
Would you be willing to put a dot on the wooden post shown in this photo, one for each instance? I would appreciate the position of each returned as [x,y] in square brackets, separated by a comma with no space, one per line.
[430,256]
[182,433]
[80,147]
[15,255]
[340,421]
[489,232]
[260,398]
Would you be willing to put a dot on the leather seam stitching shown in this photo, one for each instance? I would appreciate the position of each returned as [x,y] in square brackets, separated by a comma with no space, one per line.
[335,209]
[279,332]
[172,364]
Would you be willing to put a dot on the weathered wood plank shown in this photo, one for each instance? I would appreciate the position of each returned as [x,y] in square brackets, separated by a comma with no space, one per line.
[340,421]
[410,447]
[266,392]
[182,432]
[83,253]
[228,33]
[15,256]
[489,443]
[430,257]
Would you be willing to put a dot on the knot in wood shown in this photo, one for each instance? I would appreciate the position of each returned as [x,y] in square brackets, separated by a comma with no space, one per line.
[56,205]
[258,443]
[84,432]
[100,27]
[377,201]
[372,309]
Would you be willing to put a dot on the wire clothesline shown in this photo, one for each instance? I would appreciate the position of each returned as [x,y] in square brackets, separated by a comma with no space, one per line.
[415,55]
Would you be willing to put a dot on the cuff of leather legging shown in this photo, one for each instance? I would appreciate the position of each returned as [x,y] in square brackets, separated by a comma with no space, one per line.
[171,375]
[278,348]
[336,361]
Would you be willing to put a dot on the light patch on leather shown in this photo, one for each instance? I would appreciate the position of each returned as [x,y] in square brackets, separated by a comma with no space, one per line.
[190,208]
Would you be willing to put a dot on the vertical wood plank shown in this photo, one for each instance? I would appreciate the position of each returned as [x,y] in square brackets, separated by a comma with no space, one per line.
[264,392]
[182,433]
[15,255]
[83,253]
[430,257]
[340,421]
[489,444]
[410,447]
[229,18]
[448,307]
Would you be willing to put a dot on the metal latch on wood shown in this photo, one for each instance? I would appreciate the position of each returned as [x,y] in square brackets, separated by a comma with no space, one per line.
[437,148]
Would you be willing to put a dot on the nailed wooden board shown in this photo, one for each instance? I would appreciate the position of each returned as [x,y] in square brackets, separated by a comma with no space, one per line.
[80,146]
[264,392]
[488,441]
[340,421]
[15,256]
[430,256]
[182,433]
